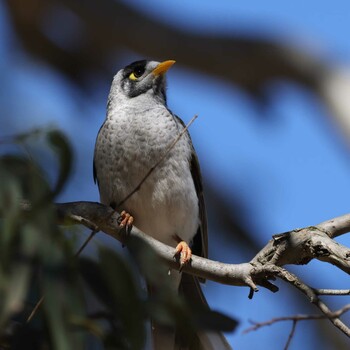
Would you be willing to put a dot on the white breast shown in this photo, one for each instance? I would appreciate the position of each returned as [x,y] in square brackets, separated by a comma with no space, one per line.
[129,144]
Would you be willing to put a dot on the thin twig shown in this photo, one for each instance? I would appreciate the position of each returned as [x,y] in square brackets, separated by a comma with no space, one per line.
[297,318]
[170,147]
[334,317]
[311,294]
[35,309]
[291,334]
[86,242]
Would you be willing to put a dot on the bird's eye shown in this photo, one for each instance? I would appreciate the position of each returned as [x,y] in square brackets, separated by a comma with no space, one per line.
[136,73]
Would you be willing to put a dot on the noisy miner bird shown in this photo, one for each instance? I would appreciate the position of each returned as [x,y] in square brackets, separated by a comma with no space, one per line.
[169,205]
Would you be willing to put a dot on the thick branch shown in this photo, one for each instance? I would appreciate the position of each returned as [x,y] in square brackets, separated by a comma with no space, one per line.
[302,245]
[295,247]
[337,226]
[106,219]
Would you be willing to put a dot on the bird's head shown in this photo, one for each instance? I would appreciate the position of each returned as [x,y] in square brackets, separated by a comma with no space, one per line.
[142,77]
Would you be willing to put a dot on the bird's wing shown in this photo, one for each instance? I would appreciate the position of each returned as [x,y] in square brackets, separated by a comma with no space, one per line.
[200,240]
[94,170]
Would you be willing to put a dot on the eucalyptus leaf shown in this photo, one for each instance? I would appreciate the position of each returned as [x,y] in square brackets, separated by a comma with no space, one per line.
[34,252]
[15,292]
[61,147]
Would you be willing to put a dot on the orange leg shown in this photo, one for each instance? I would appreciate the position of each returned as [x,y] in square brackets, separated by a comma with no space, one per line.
[184,252]
[125,219]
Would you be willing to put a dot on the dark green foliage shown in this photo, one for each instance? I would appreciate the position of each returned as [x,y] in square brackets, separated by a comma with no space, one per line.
[37,259]
[59,143]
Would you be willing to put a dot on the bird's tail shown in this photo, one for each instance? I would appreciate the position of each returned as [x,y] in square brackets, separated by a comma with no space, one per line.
[168,339]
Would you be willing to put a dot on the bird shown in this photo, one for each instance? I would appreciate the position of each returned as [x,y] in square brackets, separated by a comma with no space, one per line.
[169,204]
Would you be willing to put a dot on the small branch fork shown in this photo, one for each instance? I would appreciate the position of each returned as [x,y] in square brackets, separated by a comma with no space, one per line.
[295,319]
[295,247]
[335,314]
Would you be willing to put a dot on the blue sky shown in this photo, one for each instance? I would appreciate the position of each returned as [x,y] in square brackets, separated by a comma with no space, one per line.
[315,23]
[290,172]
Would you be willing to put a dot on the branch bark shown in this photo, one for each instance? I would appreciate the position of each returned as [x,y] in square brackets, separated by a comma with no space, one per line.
[300,246]
[295,247]
[92,214]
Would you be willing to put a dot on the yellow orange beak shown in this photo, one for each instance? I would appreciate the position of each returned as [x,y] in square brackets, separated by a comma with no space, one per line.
[163,67]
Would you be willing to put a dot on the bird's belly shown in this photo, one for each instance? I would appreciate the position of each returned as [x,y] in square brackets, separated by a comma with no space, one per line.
[166,203]
[165,210]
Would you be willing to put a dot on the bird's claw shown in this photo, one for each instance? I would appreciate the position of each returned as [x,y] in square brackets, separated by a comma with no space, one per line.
[184,253]
[125,220]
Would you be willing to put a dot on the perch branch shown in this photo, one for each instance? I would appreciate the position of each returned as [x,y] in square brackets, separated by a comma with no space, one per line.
[106,219]
[295,247]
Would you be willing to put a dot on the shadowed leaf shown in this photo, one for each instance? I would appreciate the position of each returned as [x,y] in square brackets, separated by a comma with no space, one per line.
[60,145]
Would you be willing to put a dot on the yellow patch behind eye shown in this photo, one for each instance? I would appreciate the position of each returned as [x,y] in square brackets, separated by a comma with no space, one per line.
[132,76]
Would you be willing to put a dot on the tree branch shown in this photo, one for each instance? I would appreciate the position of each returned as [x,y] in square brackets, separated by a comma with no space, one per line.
[297,318]
[106,219]
[300,246]
[337,226]
[295,247]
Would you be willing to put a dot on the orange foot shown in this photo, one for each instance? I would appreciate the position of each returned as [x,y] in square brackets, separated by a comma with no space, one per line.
[125,219]
[184,252]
